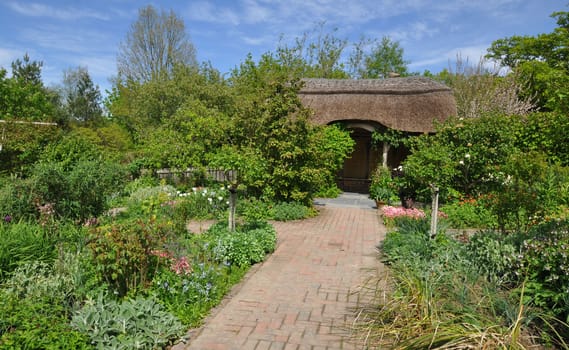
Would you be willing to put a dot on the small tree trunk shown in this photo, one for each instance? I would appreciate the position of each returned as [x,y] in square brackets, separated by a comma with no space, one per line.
[385,154]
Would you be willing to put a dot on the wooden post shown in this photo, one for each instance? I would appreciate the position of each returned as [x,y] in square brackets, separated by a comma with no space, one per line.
[232,205]
[434,211]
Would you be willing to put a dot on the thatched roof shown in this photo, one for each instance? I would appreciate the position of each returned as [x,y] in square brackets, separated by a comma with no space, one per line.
[408,104]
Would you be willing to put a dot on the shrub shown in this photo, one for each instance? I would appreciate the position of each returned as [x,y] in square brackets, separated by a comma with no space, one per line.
[545,260]
[492,256]
[289,211]
[131,324]
[123,252]
[36,323]
[468,213]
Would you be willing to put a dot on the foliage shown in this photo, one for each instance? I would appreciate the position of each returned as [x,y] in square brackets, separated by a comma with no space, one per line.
[36,323]
[430,163]
[289,211]
[544,260]
[316,54]
[443,294]
[133,323]
[541,61]
[383,188]
[493,256]
[24,243]
[468,213]
[155,43]
[244,247]
[201,203]
[124,252]
[529,190]
[479,90]
[190,297]
[383,59]
[80,193]
[82,98]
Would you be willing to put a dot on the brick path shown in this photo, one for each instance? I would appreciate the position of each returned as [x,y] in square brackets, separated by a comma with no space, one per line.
[299,298]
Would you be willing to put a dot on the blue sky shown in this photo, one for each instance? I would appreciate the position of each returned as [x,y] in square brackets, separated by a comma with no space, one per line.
[67,34]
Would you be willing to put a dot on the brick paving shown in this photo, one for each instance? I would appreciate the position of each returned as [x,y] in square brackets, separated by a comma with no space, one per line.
[300,297]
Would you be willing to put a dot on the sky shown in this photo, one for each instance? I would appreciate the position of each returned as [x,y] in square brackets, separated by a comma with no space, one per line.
[66,34]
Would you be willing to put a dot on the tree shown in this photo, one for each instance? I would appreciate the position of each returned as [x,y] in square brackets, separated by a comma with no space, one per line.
[316,54]
[27,72]
[81,96]
[154,45]
[384,58]
[542,62]
[479,90]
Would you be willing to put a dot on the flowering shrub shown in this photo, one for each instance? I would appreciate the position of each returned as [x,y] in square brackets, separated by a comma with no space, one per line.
[391,214]
[180,266]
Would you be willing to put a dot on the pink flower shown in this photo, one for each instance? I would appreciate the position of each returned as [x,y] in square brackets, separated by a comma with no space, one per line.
[181,266]
[395,212]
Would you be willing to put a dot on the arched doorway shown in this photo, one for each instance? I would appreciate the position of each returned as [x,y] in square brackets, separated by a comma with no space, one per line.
[356,173]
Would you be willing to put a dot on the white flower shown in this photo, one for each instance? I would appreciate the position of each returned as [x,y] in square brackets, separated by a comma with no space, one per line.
[220,198]
[209,200]
[461,162]
[467,156]
[194,189]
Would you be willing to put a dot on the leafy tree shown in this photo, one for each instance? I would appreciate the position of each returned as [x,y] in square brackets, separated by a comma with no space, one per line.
[316,54]
[155,44]
[142,106]
[27,72]
[384,58]
[542,62]
[23,98]
[82,97]
[290,158]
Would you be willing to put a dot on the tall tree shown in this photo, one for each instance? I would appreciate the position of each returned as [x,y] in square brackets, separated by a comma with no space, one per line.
[384,58]
[154,45]
[542,61]
[27,72]
[82,97]
[316,54]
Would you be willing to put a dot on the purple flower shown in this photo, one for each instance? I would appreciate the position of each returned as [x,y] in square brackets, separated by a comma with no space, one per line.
[7,218]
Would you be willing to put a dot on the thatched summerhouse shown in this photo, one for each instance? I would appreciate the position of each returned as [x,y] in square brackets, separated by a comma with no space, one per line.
[411,105]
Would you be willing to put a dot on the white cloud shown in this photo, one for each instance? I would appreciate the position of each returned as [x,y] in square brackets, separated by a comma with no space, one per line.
[206,12]
[7,56]
[40,10]
[66,40]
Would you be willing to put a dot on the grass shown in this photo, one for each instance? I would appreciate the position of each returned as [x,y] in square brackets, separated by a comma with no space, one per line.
[434,297]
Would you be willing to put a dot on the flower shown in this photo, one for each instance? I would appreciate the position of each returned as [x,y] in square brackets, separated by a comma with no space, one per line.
[7,218]
[467,156]
[461,162]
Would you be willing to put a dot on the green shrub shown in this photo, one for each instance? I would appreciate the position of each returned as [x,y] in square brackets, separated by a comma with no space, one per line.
[468,213]
[190,296]
[126,254]
[545,260]
[289,211]
[36,323]
[401,245]
[492,256]
[132,324]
